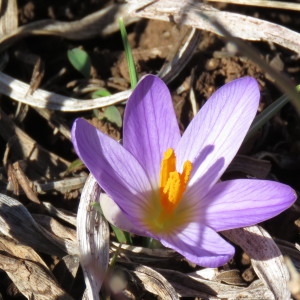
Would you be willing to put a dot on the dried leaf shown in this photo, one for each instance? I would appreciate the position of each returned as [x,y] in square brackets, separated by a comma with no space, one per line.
[63,186]
[24,182]
[93,238]
[153,281]
[187,285]
[204,16]
[55,227]
[32,280]
[294,283]
[17,90]
[103,22]
[61,214]
[28,271]
[21,251]
[265,256]
[232,277]
[9,16]
[194,286]
[23,146]
[13,216]
[66,270]
[37,76]
[291,250]
[188,13]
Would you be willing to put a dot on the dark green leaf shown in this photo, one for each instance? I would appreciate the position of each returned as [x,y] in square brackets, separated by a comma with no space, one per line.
[80,60]
[113,115]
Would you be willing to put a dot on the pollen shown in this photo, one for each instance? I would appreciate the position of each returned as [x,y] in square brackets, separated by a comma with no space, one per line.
[172,183]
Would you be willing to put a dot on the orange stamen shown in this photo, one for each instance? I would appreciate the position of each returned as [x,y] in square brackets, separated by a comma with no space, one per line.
[172,183]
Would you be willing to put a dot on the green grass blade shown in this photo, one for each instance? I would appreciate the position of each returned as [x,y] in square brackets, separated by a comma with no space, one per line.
[129,56]
[122,237]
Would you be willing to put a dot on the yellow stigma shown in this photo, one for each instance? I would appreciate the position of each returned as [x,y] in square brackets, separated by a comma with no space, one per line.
[172,183]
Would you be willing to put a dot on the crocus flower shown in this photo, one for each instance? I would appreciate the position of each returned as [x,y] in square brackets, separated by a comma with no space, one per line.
[167,186]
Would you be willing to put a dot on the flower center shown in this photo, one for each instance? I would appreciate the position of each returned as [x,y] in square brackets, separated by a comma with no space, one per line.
[172,183]
[165,212]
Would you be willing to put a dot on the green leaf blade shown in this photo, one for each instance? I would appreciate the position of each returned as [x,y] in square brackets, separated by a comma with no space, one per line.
[80,60]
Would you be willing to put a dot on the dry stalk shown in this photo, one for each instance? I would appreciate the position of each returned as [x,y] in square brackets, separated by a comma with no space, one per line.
[262,3]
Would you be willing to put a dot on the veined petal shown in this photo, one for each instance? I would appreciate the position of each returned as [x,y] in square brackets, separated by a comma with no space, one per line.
[115,216]
[150,125]
[200,245]
[215,134]
[114,168]
[244,202]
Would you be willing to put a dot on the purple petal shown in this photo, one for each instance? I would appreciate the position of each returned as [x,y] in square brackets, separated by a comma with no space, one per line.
[200,245]
[244,202]
[214,136]
[150,125]
[115,216]
[114,168]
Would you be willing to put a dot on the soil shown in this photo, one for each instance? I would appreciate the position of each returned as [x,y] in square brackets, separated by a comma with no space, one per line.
[153,43]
